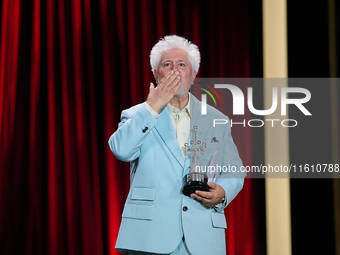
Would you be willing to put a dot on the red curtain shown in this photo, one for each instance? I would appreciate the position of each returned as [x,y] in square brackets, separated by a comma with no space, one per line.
[68,68]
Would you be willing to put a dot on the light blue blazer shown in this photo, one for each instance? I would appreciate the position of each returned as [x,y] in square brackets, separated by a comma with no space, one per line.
[153,219]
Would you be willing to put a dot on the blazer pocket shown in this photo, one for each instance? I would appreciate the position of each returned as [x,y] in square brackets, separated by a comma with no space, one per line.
[136,211]
[142,193]
[218,220]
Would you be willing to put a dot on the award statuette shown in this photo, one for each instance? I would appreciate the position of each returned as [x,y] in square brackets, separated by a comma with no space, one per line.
[195,180]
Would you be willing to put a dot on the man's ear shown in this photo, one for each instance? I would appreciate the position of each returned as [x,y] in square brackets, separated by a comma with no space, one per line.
[194,74]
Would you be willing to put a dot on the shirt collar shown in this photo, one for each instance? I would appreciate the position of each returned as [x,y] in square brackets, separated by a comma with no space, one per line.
[187,109]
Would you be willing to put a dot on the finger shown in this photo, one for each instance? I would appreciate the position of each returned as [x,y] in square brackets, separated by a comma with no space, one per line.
[167,76]
[196,197]
[152,86]
[174,85]
[204,194]
[175,88]
[170,80]
[212,185]
[171,88]
[204,201]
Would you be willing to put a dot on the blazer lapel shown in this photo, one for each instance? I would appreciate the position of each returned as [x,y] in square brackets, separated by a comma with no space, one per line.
[166,131]
[198,120]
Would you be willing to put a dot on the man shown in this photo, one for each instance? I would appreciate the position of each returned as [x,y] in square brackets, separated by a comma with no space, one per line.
[157,217]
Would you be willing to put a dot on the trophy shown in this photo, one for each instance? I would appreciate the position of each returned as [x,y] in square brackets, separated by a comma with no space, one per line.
[195,180]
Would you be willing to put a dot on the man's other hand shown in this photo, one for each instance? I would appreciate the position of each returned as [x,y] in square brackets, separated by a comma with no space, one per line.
[212,197]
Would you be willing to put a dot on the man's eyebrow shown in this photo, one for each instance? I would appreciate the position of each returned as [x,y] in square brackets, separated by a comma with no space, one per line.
[168,60]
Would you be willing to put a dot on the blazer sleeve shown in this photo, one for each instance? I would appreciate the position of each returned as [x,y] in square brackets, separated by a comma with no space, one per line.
[136,123]
[232,180]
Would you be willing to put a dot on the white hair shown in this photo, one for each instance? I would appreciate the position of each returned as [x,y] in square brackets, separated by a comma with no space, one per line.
[175,42]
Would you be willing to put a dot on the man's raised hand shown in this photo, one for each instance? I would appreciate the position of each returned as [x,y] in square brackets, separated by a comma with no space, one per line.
[161,95]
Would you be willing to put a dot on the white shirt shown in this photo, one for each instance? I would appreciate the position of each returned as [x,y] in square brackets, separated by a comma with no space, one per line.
[181,121]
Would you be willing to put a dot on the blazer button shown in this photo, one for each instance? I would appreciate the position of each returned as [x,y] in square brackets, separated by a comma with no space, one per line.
[185,208]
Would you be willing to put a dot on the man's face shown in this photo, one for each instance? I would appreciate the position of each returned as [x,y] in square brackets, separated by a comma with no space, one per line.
[176,60]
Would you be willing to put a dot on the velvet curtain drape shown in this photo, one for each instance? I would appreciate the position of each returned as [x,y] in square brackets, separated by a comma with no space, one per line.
[68,68]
